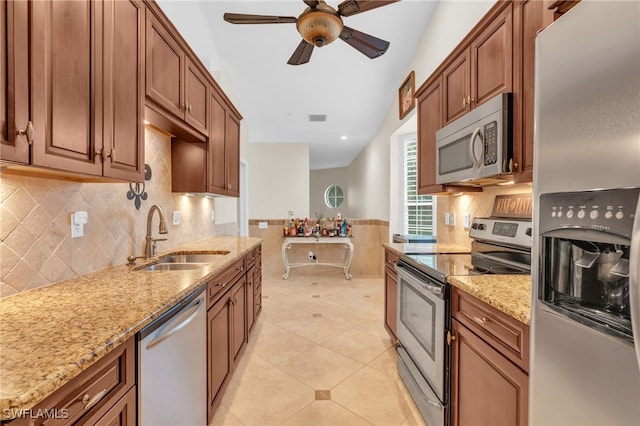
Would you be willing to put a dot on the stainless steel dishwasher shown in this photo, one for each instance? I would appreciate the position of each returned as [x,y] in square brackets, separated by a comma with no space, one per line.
[172,366]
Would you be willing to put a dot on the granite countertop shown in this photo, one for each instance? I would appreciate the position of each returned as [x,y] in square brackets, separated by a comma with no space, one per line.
[510,294]
[51,334]
[402,248]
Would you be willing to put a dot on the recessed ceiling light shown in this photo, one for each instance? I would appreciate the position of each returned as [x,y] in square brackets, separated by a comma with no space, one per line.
[343,137]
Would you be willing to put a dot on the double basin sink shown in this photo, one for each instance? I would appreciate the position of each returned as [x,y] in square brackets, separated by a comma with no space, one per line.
[183,262]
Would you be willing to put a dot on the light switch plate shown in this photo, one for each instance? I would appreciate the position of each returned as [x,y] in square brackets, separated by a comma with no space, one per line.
[213,216]
[466,221]
[452,219]
[263,225]
[446,218]
[176,218]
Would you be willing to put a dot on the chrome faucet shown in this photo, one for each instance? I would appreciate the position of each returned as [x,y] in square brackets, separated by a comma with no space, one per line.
[150,242]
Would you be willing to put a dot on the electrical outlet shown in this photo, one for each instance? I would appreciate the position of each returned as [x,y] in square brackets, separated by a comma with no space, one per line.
[213,216]
[176,218]
[452,219]
[263,225]
[466,220]
[446,218]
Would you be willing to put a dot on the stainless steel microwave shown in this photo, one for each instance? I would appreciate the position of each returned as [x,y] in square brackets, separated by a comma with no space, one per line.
[476,149]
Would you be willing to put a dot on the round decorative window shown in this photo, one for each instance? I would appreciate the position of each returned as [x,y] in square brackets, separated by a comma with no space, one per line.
[333,196]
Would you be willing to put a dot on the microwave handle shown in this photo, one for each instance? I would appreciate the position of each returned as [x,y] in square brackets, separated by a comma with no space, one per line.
[472,154]
[634,281]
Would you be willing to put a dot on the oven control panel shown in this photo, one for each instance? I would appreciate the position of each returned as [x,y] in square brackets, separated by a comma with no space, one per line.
[610,210]
[510,231]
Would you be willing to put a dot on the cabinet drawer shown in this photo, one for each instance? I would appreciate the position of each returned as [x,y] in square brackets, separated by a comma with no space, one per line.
[252,257]
[506,334]
[94,390]
[223,280]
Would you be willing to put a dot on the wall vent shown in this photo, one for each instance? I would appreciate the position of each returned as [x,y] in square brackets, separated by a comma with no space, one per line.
[317,117]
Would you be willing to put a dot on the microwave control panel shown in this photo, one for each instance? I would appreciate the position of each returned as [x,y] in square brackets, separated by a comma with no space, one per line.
[610,210]
[491,143]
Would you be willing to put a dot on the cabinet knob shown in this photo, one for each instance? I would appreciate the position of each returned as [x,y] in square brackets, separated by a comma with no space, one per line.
[513,166]
[28,132]
[469,100]
[450,337]
[464,102]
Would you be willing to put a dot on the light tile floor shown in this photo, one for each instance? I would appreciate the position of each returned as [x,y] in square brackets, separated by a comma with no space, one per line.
[318,355]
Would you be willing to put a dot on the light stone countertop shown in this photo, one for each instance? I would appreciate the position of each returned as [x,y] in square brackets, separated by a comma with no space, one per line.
[51,334]
[510,294]
[402,248]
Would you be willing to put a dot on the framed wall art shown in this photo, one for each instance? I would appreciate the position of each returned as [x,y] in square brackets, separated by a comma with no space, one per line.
[406,95]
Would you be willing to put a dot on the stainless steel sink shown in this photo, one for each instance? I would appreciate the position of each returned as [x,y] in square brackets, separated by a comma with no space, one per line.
[192,258]
[174,266]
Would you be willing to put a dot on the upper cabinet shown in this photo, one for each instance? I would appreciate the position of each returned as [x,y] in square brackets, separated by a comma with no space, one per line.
[175,84]
[85,90]
[224,147]
[482,69]
[497,56]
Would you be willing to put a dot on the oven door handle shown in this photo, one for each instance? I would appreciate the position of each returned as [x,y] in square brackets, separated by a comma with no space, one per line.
[435,289]
[634,281]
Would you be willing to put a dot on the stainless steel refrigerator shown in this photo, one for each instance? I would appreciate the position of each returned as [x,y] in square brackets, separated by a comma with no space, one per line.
[585,349]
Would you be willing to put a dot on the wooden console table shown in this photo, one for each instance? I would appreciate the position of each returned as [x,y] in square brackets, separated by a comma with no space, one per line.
[289,241]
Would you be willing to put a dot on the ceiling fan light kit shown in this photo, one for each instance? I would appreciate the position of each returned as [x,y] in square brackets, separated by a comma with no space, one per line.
[321,24]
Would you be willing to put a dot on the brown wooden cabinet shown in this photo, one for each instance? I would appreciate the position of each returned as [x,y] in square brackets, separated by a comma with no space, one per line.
[489,364]
[175,82]
[257,279]
[224,147]
[14,81]
[390,294]
[497,56]
[105,393]
[85,95]
[231,314]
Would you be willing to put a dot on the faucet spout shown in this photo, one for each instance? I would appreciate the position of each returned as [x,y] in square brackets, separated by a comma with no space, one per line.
[150,242]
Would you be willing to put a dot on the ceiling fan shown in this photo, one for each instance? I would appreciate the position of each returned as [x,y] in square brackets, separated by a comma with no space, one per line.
[320,24]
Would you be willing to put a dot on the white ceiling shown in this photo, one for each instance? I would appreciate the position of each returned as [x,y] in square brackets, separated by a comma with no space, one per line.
[275,98]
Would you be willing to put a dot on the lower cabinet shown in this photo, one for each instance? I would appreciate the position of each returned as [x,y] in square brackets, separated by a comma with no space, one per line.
[231,314]
[390,294]
[104,393]
[489,385]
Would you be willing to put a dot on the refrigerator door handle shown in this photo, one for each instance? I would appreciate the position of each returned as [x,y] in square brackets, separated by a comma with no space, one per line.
[634,281]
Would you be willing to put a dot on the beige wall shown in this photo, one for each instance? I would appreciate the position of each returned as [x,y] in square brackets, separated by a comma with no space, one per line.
[278,179]
[319,181]
[36,247]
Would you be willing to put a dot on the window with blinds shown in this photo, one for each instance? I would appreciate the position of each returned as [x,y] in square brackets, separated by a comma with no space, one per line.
[418,209]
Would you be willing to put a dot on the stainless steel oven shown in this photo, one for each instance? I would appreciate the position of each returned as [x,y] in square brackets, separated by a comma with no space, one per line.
[500,246]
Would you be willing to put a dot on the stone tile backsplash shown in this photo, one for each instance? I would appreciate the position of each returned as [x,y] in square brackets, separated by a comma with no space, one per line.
[36,247]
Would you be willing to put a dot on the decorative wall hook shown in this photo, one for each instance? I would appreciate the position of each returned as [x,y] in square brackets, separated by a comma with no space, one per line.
[137,192]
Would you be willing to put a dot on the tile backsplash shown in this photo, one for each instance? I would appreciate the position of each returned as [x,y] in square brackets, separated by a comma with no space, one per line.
[476,204]
[36,247]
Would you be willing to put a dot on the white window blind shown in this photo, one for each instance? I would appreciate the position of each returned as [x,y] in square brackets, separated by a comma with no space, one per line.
[418,209]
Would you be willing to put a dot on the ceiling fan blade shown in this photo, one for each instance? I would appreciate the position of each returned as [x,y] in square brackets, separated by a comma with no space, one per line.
[302,54]
[353,7]
[311,3]
[241,18]
[366,44]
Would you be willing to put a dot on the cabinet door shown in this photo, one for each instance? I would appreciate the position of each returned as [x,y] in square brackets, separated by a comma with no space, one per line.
[391,302]
[164,68]
[486,388]
[429,121]
[197,98]
[123,89]
[457,87]
[492,59]
[219,358]
[529,18]
[217,132]
[14,80]
[64,47]
[232,154]
[250,296]
[239,313]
